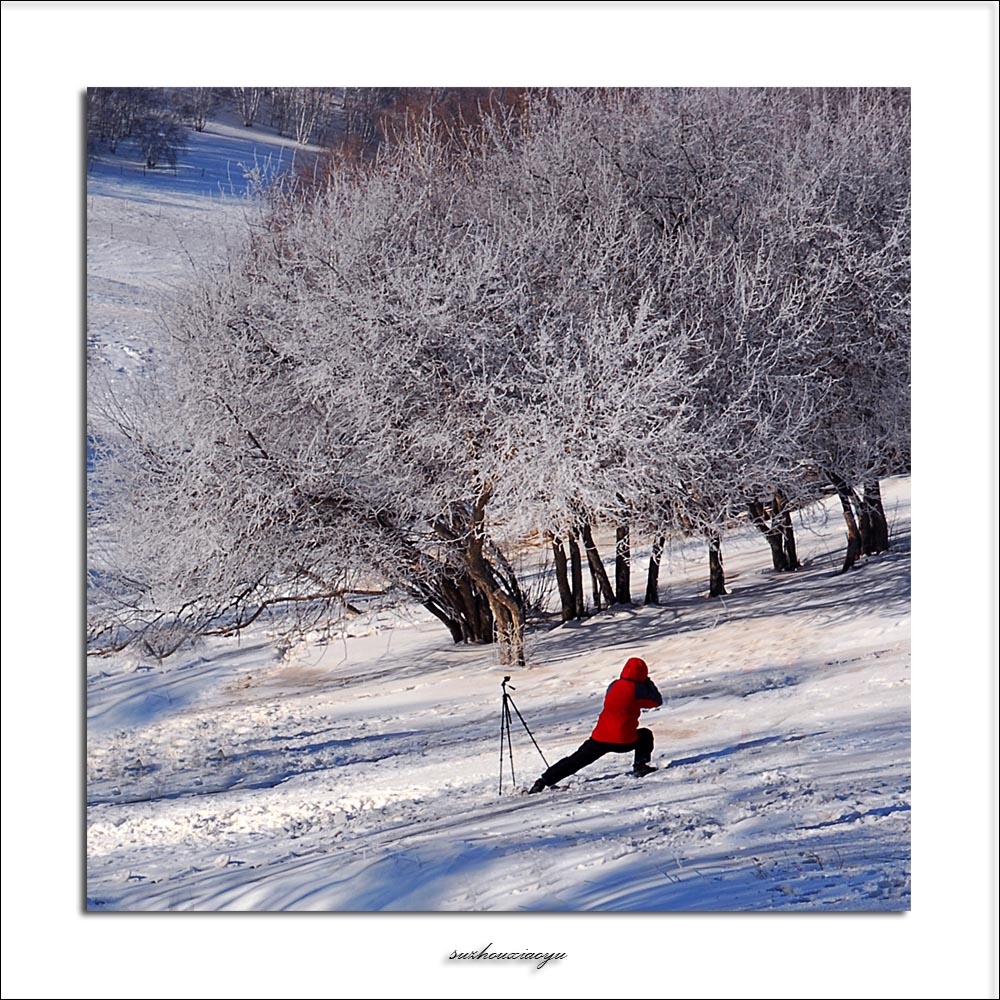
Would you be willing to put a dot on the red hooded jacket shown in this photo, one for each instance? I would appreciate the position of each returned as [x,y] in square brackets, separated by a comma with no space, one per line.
[633,691]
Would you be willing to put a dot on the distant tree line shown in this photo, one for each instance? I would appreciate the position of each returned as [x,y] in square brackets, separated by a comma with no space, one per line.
[156,118]
[522,314]
[358,121]
[146,116]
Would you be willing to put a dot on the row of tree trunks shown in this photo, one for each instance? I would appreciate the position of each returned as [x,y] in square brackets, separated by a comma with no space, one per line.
[486,604]
[569,572]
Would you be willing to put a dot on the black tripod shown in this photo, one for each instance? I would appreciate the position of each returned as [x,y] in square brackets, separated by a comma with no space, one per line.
[508,703]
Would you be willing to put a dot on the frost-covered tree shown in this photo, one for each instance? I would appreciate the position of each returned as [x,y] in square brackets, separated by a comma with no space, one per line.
[198,104]
[112,113]
[644,309]
[115,114]
[248,100]
[150,117]
[299,111]
[322,389]
[798,202]
[855,155]
[161,139]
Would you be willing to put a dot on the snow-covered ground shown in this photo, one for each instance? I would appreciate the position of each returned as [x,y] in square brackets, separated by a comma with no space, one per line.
[218,162]
[363,774]
[146,229]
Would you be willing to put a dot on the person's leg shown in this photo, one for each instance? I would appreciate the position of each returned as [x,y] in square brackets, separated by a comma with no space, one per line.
[643,747]
[587,753]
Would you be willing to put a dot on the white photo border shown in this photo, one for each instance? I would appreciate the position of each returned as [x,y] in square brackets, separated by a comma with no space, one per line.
[947,54]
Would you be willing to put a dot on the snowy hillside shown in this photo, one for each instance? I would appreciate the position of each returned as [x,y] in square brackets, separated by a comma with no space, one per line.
[145,230]
[363,774]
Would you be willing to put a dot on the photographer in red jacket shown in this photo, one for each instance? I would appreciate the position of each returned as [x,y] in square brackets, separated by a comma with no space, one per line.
[617,729]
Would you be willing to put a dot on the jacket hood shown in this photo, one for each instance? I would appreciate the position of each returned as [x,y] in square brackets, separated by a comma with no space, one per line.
[635,670]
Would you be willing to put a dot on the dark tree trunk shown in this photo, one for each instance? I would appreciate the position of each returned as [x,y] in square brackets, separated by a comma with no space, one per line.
[562,580]
[506,575]
[457,635]
[772,532]
[861,513]
[486,596]
[452,624]
[508,613]
[602,584]
[778,533]
[846,495]
[623,570]
[463,610]
[784,518]
[473,612]
[595,588]
[441,584]
[506,602]
[653,575]
[576,576]
[479,611]
[716,572]
[878,526]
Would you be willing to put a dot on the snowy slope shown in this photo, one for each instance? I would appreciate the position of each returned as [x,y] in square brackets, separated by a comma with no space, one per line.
[946,947]
[146,229]
[363,774]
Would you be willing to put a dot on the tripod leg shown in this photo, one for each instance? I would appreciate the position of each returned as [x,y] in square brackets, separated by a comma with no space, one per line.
[510,749]
[503,726]
[527,730]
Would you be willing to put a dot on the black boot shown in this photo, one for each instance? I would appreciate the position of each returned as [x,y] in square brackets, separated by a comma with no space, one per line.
[538,786]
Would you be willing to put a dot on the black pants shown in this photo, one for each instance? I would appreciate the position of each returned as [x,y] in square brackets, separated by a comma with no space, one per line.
[591,750]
